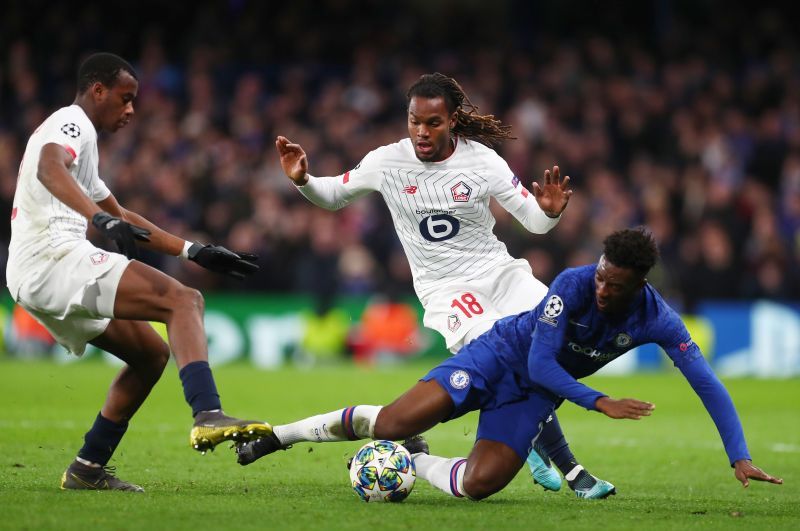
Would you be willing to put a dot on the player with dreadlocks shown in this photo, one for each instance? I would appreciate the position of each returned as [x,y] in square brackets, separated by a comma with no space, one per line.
[437,184]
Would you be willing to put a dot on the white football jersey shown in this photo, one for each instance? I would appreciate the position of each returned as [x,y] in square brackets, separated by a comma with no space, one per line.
[42,227]
[440,209]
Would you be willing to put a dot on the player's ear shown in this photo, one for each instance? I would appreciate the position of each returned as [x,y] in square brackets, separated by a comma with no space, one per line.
[98,90]
[453,119]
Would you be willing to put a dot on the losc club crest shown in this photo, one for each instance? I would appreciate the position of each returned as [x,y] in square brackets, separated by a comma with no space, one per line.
[98,258]
[461,192]
[453,322]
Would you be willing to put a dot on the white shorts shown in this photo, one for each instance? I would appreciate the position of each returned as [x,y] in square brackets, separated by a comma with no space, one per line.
[460,312]
[73,297]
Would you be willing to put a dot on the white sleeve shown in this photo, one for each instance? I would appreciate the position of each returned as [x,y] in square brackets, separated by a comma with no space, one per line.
[99,190]
[517,200]
[333,193]
[67,130]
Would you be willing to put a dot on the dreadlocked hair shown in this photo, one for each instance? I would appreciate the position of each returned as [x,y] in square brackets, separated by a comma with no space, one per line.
[485,128]
[631,249]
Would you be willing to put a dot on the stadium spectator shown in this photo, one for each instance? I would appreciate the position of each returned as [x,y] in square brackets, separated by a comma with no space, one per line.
[25,336]
[389,329]
[677,123]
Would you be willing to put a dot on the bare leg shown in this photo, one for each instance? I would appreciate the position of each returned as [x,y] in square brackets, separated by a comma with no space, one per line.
[419,409]
[146,294]
[423,406]
[146,355]
[491,466]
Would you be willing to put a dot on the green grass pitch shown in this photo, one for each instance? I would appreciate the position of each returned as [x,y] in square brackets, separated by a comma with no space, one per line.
[670,470]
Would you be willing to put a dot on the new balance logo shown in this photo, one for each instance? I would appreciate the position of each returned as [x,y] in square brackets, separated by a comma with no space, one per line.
[410,189]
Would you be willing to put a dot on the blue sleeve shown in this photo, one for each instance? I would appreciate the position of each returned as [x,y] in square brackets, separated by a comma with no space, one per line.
[687,357]
[552,319]
[719,405]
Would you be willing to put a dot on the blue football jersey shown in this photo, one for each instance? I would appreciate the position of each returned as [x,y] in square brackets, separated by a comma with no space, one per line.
[566,338]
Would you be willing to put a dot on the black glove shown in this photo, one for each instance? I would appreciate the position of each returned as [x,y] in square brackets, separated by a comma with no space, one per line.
[220,260]
[123,233]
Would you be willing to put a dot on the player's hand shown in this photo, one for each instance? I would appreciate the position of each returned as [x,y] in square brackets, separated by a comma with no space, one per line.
[554,193]
[293,160]
[745,470]
[625,408]
[220,260]
[123,234]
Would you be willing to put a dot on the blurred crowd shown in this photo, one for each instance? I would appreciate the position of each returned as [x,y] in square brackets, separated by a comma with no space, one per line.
[686,121]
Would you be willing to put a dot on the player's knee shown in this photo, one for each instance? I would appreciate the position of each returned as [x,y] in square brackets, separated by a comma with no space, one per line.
[190,299]
[154,361]
[160,358]
[480,484]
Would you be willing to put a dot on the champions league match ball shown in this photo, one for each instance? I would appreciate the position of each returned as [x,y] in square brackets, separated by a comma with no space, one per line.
[382,471]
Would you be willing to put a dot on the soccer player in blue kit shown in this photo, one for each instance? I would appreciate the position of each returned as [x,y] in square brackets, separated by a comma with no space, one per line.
[522,369]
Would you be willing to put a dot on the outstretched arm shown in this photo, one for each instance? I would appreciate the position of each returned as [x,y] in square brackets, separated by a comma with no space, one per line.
[331,193]
[212,257]
[53,173]
[538,213]
[719,405]
[160,240]
[553,194]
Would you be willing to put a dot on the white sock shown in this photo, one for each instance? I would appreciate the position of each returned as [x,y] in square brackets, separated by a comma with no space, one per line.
[572,474]
[348,424]
[86,462]
[445,474]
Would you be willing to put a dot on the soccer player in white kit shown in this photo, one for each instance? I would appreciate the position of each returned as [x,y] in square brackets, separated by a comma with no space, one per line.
[83,294]
[437,184]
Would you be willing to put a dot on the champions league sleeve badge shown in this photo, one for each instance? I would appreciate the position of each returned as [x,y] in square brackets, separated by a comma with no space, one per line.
[71,130]
[552,309]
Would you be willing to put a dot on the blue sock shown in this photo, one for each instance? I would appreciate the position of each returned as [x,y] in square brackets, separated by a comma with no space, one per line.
[101,441]
[199,388]
[554,444]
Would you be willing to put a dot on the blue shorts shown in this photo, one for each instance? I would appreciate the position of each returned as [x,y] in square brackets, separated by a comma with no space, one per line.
[477,380]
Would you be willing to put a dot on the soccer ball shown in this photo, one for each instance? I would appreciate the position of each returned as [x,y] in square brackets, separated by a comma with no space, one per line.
[383,471]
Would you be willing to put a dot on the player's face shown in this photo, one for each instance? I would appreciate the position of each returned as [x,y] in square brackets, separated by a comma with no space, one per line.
[115,103]
[429,125]
[615,287]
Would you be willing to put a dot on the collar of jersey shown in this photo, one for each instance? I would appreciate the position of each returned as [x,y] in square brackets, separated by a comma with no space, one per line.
[455,148]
